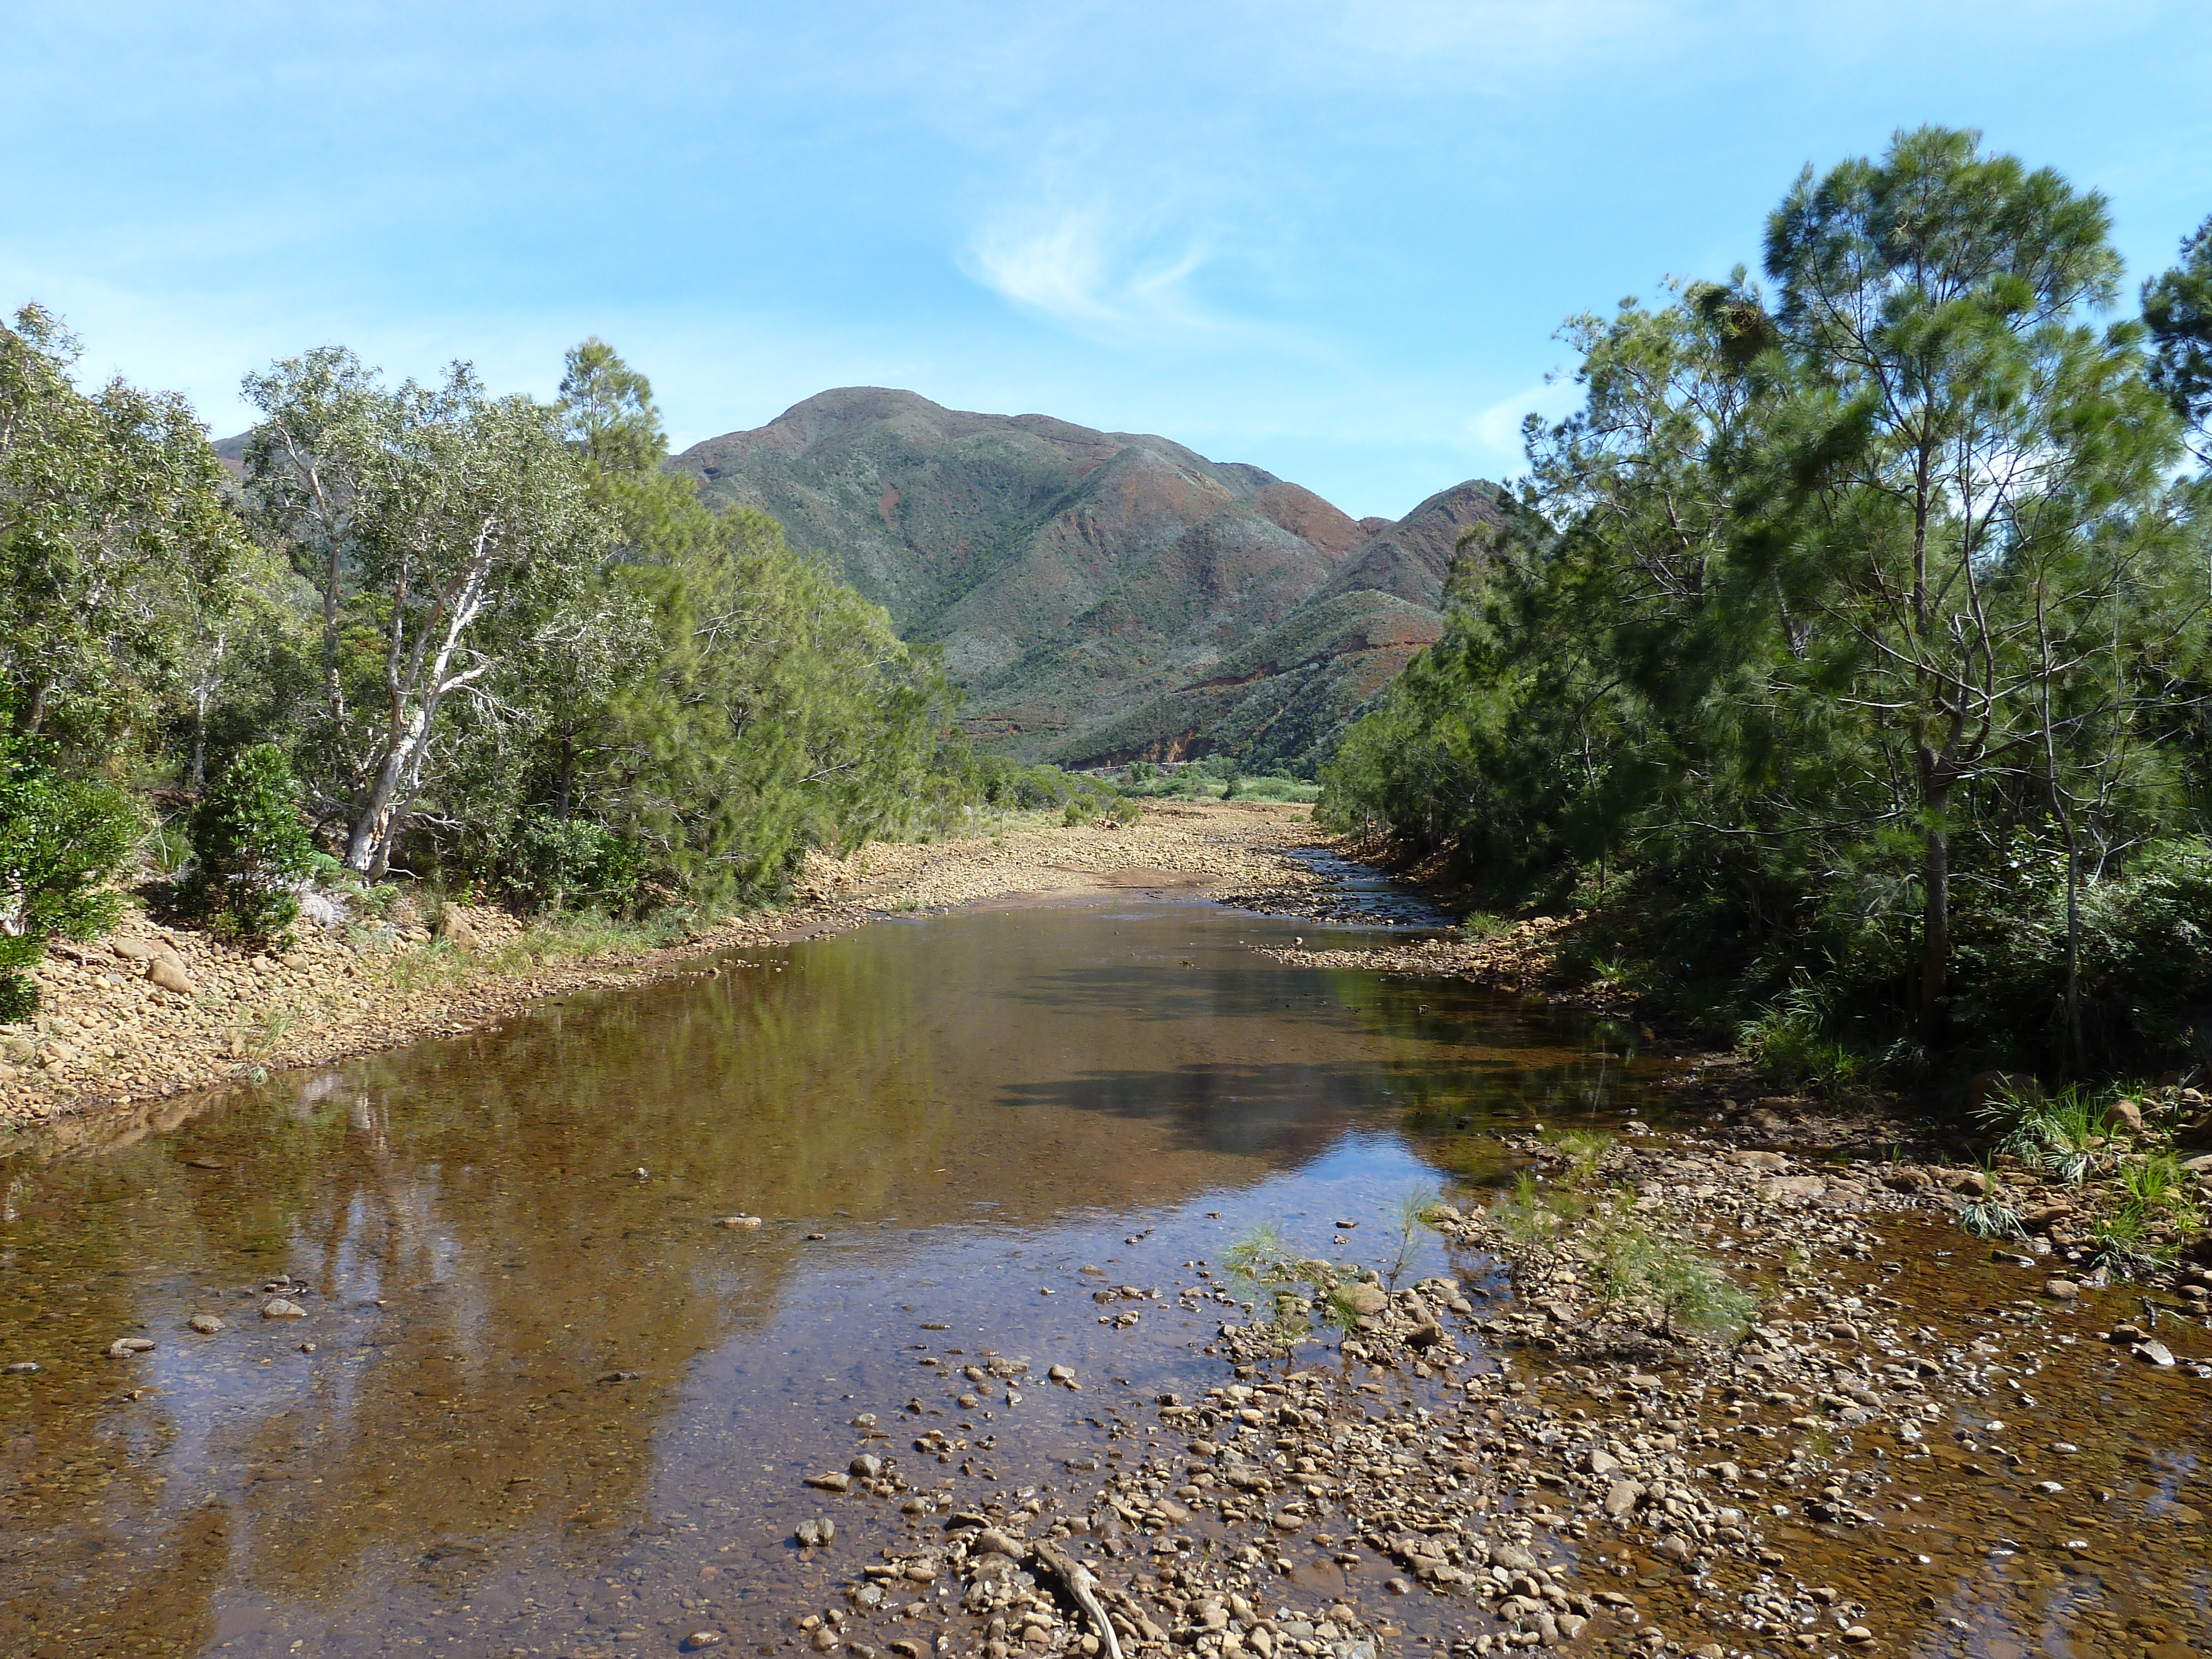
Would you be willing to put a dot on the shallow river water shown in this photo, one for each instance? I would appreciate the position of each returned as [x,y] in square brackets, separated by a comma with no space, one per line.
[540,1402]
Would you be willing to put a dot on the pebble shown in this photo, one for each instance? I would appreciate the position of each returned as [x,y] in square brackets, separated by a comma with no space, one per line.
[738,1221]
[123,1347]
[23,1368]
[205,1323]
[277,1308]
[704,1639]
[2062,1289]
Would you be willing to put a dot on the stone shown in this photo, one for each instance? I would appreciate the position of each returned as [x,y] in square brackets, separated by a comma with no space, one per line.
[277,1308]
[992,1541]
[704,1639]
[123,1347]
[2062,1289]
[205,1323]
[867,1466]
[1788,1189]
[1363,1298]
[738,1221]
[1601,1461]
[1971,1183]
[2128,1115]
[23,1368]
[839,1481]
[2154,1353]
[167,973]
[814,1533]
[134,949]
[1622,1497]
[453,927]
[1061,1374]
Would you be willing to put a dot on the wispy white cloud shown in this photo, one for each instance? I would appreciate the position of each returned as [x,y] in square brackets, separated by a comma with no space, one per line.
[1085,270]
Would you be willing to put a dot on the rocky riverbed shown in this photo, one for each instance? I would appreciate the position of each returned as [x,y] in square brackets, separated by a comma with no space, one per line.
[1513,1459]
[158,1010]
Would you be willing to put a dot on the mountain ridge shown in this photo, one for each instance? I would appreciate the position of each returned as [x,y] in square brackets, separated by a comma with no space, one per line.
[1089,589]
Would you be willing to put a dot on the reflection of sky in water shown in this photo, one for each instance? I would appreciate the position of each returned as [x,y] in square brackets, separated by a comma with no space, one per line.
[970,1109]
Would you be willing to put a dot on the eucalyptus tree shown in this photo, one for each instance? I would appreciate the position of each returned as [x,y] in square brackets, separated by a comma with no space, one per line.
[116,546]
[444,528]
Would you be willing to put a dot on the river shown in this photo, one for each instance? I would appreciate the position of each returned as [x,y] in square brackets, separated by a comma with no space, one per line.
[539,1399]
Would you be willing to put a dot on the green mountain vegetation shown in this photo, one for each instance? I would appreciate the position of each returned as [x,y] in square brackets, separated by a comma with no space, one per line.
[1101,597]
[1848,648]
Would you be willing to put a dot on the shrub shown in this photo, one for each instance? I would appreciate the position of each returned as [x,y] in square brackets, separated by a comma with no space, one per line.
[560,864]
[249,846]
[1675,1287]
[2058,1134]
[1081,809]
[60,840]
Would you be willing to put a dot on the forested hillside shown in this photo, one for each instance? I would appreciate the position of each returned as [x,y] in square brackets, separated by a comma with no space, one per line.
[1849,646]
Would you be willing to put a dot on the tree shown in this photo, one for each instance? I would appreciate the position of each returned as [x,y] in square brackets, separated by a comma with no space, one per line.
[1955,422]
[443,527]
[61,840]
[115,544]
[249,846]
[2177,311]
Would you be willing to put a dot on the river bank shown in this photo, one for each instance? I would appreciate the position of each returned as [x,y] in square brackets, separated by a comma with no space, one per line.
[157,1011]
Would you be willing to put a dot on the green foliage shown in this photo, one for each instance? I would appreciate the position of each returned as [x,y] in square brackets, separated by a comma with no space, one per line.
[448,533]
[1079,810]
[1989,1218]
[1522,1215]
[1818,610]
[116,551]
[2122,1242]
[249,846]
[1676,1288]
[1413,1211]
[560,864]
[1217,777]
[1584,1150]
[2060,1135]
[1789,1041]
[61,840]
[2178,312]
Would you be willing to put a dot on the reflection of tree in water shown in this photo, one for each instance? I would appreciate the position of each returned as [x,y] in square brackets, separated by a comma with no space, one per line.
[482,1190]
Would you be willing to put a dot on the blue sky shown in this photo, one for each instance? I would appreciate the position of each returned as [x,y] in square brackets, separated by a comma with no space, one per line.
[1334,240]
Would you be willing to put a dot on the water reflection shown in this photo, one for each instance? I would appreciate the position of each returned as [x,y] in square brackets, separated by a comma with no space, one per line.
[481,1231]
[539,1400]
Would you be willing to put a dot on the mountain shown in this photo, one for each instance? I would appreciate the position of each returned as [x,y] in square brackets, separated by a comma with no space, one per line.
[1101,596]
[1277,699]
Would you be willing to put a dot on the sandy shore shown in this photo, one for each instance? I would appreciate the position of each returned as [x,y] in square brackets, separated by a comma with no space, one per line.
[155,1011]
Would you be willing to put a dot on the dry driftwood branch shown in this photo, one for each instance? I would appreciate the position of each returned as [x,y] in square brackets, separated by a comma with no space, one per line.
[1083,1586]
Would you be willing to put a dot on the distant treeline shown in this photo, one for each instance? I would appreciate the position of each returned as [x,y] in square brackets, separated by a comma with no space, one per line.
[1850,646]
[484,641]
